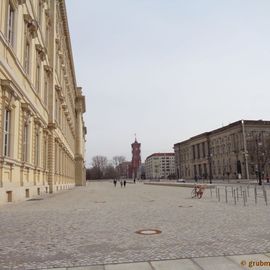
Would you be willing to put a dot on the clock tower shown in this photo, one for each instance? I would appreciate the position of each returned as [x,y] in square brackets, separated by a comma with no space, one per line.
[136,158]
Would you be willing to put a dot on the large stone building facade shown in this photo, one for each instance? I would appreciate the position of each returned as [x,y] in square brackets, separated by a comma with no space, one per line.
[160,166]
[240,150]
[124,169]
[42,132]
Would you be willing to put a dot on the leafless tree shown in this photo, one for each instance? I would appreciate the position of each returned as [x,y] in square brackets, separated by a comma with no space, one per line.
[118,160]
[100,162]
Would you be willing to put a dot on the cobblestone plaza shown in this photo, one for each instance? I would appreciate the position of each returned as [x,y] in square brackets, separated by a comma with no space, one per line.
[96,224]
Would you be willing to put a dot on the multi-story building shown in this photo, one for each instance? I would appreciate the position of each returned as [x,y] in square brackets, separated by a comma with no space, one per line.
[238,150]
[124,169]
[141,171]
[159,165]
[42,132]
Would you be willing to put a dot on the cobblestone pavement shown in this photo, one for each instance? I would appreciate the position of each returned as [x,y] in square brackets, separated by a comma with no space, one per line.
[96,225]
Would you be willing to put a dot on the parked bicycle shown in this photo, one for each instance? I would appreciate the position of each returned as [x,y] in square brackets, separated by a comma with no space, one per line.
[197,191]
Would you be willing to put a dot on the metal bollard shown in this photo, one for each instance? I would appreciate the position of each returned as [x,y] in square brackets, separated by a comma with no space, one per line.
[248,190]
[234,196]
[265,196]
[216,191]
[232,190]
[241,190]
[211,192]
[244,199]
[226,195]
[218,195]
[255,194]
[237,194]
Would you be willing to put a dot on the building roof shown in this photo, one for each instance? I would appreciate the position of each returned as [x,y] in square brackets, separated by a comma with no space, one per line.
[160,155]
[125,163]
[239,122]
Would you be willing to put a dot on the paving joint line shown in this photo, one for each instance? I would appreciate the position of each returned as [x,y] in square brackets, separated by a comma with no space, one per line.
[152,266]
[194,262]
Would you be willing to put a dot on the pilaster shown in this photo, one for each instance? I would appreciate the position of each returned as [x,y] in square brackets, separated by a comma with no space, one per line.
[51,157]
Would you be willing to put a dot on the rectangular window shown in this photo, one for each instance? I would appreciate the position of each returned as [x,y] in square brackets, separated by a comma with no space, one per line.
[27,57]
[25,143]
[39,14]
[37,149]
[46,91]
[195,170]
[205,170]
[47,33]
[10,24]
[55,158]
[203,148]
[198,151]
[59,116]
[6,133]
[59,161]
[56,109]
[38,77]
[45,154]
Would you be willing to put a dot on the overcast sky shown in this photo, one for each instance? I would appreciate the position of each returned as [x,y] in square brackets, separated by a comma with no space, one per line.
[168,69]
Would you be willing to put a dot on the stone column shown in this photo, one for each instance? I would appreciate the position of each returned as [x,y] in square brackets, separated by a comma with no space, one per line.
[79,152]
[79,160]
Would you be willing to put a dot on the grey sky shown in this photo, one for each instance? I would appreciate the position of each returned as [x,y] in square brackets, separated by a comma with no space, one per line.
[168,70]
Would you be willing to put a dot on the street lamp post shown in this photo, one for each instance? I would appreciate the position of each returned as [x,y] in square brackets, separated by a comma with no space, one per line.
[259,144]
[210,168]
[245,149]
[210,155]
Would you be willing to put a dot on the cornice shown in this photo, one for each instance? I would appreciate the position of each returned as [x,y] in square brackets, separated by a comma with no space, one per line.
[63,13]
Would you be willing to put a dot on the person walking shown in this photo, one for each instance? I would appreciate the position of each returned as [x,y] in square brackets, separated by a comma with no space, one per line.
[125,182]
[121,183]
[114,182]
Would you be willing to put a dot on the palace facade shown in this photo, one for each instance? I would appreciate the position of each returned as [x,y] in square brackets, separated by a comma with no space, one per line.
[240,150]
[42,132]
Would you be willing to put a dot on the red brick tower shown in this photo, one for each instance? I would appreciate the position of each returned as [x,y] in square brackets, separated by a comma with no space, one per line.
[136,158]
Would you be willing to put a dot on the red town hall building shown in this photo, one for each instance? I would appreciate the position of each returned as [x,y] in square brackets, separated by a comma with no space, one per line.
[136,158]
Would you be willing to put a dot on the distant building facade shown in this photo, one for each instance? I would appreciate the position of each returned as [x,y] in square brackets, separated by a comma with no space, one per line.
[239,150]
[136,158]
[141,171]
[124,170]
[42,132]
[159,165]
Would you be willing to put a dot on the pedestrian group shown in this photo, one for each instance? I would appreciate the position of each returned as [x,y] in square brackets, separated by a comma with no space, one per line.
[122,183]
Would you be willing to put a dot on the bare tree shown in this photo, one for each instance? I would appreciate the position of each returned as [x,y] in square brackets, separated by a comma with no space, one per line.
[118,160]
[110,172]
[100,162]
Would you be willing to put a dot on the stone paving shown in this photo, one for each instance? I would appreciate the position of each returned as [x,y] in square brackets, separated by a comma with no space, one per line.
[96,225]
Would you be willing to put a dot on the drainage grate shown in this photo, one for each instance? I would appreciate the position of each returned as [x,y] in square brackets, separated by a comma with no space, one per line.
[148,232]
[99,202]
